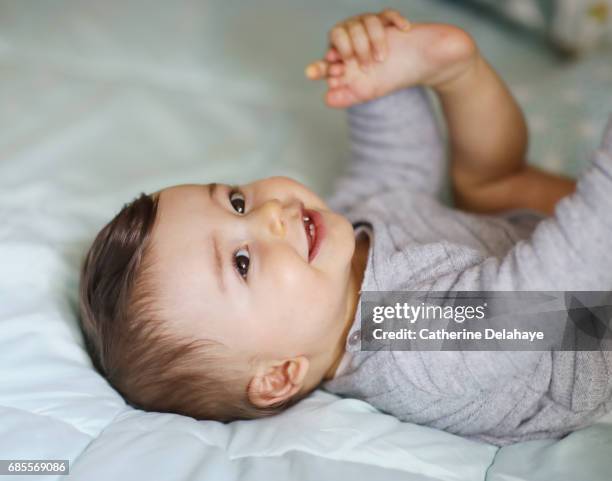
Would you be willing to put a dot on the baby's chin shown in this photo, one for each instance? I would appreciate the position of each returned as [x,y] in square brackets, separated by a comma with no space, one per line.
[348,234]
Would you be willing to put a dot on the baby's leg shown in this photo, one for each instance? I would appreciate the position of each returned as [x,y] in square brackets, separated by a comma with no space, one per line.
[488,142]
[530,188]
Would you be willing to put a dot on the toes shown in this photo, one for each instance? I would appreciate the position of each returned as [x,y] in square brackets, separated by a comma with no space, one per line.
[321,69]
[333,55]
[335,82]
[336,69]
[316,70]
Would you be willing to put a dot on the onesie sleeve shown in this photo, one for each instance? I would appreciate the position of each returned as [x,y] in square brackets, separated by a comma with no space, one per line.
[395,141]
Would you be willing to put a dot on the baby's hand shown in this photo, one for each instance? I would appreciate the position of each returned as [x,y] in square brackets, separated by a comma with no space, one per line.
[372,55]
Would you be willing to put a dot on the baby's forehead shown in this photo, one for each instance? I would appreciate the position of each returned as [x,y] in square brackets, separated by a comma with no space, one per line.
[182,189]
[184,223]
[184,201]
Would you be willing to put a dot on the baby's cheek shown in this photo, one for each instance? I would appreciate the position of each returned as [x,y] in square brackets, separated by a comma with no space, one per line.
[292,277]
[320,294]
[298,283]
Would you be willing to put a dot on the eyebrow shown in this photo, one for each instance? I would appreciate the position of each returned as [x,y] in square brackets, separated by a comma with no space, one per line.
[218,263]
[213,239]
[211,189]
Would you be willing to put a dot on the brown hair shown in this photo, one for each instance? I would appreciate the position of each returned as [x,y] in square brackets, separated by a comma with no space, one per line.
[129,342]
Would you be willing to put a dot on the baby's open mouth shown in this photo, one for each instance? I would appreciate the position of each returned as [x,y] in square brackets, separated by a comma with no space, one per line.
[310,232]
[313,227]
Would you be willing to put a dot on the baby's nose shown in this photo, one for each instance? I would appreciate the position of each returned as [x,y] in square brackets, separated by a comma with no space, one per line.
[270,217]
[278,217]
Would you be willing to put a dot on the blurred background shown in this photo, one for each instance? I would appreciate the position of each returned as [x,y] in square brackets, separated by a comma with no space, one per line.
[194,89]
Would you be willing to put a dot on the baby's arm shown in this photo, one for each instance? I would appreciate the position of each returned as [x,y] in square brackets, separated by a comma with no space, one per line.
[488,143]
[487,131]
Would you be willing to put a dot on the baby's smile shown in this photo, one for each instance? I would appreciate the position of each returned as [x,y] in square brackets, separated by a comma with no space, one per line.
[315,230]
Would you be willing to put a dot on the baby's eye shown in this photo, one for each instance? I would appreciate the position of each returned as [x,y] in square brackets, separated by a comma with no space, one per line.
[237,200]
[241,261]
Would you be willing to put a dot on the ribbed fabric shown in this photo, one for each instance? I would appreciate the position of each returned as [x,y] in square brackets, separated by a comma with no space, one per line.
[391,190]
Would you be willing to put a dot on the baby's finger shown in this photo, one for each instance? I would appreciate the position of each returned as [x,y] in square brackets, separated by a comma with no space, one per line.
[395,18]
[361,43]
[376,32]
[316,70]
[339,38]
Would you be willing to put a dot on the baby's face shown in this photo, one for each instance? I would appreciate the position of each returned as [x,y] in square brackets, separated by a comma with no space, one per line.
[232,264]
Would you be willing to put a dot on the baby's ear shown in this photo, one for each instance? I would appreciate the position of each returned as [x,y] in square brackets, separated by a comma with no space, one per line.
[277,381]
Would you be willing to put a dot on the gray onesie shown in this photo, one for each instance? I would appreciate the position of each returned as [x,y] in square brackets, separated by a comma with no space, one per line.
[391,192]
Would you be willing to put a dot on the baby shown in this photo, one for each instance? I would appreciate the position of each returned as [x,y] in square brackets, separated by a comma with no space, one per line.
[232,302]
